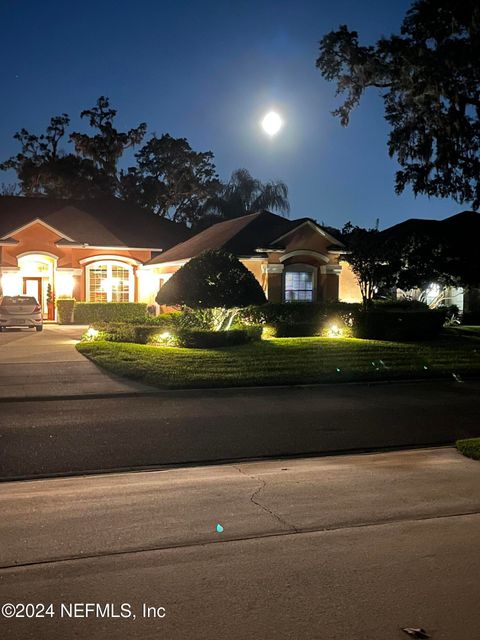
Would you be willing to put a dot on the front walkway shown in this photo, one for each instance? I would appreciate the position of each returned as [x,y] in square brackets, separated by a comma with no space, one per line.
[46,364]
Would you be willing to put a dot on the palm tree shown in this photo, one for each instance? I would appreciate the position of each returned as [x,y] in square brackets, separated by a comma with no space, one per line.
[244,194]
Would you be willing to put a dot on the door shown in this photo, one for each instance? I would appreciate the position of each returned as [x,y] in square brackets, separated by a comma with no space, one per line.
[33,287]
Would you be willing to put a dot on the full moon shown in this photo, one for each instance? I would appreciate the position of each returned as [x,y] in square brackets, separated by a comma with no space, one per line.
[272,123]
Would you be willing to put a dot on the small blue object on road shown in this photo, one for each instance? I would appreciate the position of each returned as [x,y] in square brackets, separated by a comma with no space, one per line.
[219,528]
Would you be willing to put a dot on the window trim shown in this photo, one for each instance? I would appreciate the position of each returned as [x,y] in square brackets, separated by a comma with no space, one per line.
[300,268]
[109,264]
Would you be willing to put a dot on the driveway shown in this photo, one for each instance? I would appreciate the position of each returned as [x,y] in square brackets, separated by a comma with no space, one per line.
[46,365]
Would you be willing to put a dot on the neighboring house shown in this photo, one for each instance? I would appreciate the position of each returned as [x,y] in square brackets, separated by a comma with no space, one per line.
[291,259]
[460,233]
[106,250]
[92,249]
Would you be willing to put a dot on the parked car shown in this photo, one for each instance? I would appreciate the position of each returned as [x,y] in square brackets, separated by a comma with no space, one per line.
[20,311]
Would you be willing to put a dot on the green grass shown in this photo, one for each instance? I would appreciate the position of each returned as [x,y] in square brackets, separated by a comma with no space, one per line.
[470,448]
[288,361]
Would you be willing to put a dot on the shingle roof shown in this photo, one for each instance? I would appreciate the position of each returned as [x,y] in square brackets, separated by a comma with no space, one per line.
[104,221]
[241,236]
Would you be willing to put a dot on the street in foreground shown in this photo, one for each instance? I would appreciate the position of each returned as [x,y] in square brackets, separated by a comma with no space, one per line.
[349,547]
[178,427]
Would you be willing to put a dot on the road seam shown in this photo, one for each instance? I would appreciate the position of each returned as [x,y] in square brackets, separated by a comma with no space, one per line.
[260,536]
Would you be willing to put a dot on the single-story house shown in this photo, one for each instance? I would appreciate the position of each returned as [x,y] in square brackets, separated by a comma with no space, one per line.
[106,250]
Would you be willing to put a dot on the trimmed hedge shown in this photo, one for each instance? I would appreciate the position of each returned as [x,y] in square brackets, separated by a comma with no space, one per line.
[376,324]
[216,339]
[295,329]
[88,312]
[65,307]
[297,319]
[148,333]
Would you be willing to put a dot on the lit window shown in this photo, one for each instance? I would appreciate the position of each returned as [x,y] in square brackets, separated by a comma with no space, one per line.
[299,286]
[109,282]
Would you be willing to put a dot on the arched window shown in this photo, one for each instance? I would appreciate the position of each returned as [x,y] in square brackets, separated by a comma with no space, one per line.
[110,281]
[299,283]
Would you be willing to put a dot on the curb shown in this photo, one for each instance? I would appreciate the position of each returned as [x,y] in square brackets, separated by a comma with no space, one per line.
[255,388]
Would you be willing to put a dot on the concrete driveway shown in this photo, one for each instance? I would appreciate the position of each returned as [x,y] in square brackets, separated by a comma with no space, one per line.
[46,364]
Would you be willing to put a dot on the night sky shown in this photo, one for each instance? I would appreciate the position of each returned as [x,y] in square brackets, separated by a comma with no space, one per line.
[208,71]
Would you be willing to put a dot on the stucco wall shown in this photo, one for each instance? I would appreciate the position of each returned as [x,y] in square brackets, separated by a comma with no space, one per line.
[349,291]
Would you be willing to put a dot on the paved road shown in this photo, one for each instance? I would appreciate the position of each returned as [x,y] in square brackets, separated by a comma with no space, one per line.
[42,438]
[350,547]
[47,364]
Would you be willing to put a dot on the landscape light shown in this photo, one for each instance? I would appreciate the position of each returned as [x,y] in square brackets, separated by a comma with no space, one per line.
[165,335]
[334,331]
[92,333]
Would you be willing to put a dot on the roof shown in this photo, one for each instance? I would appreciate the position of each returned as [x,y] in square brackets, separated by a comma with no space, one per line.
[100,222]
[463,227]
[243,236]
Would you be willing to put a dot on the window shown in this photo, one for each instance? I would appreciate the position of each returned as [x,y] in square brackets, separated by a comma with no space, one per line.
[299,286]
[110,282]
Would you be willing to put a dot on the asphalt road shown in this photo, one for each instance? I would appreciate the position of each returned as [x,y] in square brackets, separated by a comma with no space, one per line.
[344,548]
[74,436]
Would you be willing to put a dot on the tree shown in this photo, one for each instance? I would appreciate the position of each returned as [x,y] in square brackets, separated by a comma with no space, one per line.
[213,280]
[429,79]
[171,179]
[43,168]
[372,260]
[107,146]
[244,194]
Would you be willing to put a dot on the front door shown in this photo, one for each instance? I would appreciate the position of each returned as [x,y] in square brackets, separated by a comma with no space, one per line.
[33,287]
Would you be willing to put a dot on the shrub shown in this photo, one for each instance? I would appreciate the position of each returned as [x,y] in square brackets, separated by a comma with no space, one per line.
[88,312]
[214,279]
[402,304]
[65,307]
[128,332]
[471,317]
[215,339]
[295,329]
[377,324]
[294,319]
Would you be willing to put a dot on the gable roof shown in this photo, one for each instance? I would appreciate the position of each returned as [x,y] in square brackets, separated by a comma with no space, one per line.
[98,222]
[243,236]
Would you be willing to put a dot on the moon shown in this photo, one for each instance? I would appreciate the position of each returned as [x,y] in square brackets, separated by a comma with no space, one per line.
[272,123]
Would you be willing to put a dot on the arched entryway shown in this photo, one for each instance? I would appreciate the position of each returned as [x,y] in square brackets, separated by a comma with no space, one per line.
[36,271]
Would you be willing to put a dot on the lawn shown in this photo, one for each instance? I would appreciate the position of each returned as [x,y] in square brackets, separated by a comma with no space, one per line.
[470,448]
[288,361]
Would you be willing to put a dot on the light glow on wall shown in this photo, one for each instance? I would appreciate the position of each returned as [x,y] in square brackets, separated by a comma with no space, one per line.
[12,284]
[63,284]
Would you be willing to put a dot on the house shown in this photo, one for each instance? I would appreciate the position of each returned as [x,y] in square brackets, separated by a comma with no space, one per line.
[293,260]
[106,250]
[459,234]
[92,250]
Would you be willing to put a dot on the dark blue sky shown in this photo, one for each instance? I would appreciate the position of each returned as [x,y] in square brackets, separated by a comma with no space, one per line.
[207,71]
